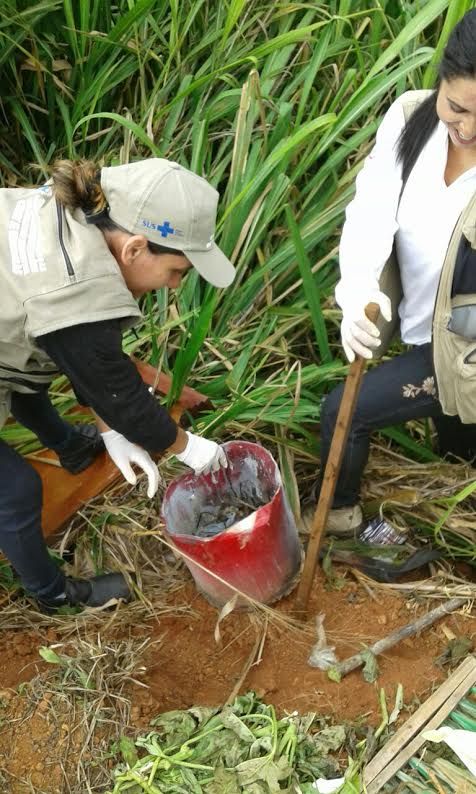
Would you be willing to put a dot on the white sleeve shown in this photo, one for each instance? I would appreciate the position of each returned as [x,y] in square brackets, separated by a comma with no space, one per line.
[370,218]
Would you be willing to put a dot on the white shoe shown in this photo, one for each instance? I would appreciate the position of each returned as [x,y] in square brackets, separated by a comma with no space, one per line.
[343,522]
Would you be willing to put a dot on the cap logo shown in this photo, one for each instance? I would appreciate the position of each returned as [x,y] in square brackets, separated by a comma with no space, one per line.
[165,229]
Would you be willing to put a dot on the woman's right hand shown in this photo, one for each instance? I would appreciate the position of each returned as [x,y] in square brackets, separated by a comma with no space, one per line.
[359,335]
[124,453]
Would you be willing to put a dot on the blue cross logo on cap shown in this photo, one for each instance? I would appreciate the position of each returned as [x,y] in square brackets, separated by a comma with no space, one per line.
[165,229]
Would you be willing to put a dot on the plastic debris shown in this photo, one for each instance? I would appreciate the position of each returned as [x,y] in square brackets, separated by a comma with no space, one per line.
[379,532]
[328,786]
[322,655]
[463,743]
[214,519]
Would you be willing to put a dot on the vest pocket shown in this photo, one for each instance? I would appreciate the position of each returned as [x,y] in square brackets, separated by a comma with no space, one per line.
[463,316]
[463,321]
[465,383]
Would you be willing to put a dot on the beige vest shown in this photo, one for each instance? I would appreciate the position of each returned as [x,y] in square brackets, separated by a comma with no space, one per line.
[454,331]
[56,271]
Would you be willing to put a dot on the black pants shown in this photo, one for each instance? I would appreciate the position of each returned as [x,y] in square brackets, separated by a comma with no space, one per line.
[394,392]
[21,538]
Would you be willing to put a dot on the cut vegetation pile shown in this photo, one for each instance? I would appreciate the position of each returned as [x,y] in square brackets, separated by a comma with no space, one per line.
[242,748]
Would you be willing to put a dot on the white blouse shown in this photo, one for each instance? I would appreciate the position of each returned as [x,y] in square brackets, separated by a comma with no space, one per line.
[427,214]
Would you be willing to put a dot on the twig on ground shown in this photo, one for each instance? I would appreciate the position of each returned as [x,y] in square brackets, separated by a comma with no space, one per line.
[343,668]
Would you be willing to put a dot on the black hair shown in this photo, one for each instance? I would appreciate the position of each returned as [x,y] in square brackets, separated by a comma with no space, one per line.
[459,60]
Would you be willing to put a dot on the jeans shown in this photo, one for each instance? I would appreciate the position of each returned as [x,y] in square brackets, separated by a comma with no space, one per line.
[36,412]
[394,392]
[21,498]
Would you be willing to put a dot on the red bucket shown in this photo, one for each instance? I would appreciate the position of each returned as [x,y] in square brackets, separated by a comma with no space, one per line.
[260,554]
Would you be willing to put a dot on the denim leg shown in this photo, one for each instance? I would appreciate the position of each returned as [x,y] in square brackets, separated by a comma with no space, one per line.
[455,439]
[21,538]
[394,392]
[36,412]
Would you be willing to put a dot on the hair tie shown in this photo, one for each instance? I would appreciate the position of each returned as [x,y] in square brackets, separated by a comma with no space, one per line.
[97,217]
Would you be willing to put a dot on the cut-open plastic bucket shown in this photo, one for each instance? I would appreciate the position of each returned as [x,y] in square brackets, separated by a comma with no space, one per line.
[259,553]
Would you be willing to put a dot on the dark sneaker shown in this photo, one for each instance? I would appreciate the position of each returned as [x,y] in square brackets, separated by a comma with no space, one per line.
[81,450]
[93,592]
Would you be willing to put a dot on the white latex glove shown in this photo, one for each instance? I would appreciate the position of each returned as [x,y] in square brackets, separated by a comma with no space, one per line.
[124,452]
[202,455]
[358,334]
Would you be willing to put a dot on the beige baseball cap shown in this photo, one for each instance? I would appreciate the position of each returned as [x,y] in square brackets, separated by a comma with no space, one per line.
[171,206]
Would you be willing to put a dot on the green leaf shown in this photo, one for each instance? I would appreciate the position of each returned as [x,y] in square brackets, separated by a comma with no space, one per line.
[175,727]
[128,750]
[190,349]
[424,17]
[50,656]
[352,786]
[224,781]
[234,723]
[129,125]
[456,9]
[370,670]
[334,675]
[311,291]
[264,769]
[329,739]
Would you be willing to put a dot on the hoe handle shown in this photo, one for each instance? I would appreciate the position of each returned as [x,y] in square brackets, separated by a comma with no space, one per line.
[331,473]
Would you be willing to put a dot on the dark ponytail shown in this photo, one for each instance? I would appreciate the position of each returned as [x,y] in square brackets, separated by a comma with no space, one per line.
[459,60]
[415,134]
[76,184]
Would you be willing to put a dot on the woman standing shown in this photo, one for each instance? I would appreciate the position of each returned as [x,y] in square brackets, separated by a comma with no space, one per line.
[418,179]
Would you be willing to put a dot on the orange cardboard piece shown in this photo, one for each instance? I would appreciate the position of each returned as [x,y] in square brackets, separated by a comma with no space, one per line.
[64,494]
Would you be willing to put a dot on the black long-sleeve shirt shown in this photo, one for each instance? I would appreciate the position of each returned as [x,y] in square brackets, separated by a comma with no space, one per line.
[105,379]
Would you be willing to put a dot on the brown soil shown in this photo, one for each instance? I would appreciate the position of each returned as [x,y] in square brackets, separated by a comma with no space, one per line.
[205,673]
[40,745]
[188,666]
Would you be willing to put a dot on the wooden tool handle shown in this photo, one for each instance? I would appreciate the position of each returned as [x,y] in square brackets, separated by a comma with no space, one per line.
[331,472]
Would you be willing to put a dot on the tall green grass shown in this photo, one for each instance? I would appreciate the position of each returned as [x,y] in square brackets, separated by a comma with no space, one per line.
[276,103]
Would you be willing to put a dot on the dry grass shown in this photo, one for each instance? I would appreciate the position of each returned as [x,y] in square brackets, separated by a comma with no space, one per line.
[83,707]
[121,530]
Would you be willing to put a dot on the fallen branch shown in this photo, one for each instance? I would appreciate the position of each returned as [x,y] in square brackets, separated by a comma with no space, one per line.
[340,670]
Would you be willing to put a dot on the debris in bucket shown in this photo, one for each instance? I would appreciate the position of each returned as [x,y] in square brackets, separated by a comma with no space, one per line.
[216,518]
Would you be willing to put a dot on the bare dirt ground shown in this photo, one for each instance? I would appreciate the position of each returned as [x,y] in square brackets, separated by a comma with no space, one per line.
[42,736]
